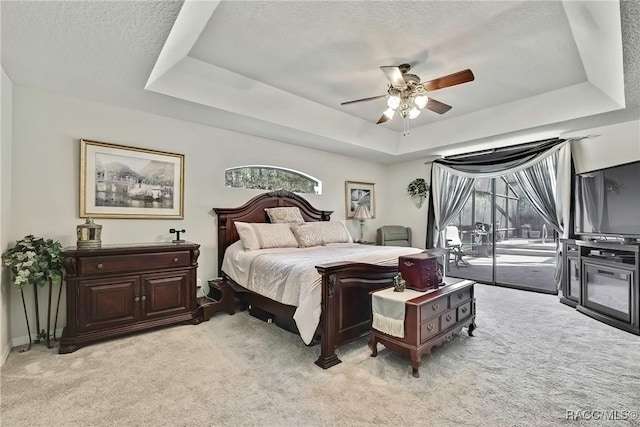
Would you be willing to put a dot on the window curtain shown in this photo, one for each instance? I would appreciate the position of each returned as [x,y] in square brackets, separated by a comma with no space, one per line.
[450,193]
[543,170]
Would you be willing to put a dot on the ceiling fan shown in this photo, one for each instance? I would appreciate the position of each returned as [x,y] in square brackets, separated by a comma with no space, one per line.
[407,96]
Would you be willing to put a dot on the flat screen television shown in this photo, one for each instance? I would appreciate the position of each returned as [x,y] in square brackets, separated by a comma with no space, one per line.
[607,202]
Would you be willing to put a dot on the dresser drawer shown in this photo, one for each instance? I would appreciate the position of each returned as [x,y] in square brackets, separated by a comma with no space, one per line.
[460,296]
[429,328]
[464,310]
[448,319]
[433,308]
[144,261]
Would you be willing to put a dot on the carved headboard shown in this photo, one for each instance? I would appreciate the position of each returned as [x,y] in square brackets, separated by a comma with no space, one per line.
[254,211]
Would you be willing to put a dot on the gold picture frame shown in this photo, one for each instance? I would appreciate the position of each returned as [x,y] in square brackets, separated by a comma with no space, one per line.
[119,181]
[359,193]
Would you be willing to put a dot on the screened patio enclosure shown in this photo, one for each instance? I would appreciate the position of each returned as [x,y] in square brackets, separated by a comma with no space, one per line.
[504,240]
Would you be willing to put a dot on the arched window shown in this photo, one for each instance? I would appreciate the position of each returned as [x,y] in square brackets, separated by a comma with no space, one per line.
[272,178]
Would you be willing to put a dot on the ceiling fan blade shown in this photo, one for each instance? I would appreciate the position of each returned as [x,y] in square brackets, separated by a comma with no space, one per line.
[450,80]
[437,106]
[363,99]
[394,75]
[382,119]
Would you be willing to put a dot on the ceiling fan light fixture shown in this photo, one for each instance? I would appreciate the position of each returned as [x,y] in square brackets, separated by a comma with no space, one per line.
[413,113]
[393,102]
[421,101]
[389,112]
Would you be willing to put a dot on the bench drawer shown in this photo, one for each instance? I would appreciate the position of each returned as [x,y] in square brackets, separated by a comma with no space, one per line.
[460,296]
[434,308]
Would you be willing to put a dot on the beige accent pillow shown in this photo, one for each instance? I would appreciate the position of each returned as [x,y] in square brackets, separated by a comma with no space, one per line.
[247,236]
[319,233]
[275,235]
[286,214]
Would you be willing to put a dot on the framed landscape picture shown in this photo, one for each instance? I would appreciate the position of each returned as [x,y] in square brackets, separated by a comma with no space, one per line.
[360,193]
[117,181]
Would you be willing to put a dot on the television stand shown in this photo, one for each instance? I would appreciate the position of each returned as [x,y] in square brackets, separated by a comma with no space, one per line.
[601,280]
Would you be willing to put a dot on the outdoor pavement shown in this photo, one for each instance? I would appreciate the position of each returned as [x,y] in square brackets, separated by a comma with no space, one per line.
[519,262]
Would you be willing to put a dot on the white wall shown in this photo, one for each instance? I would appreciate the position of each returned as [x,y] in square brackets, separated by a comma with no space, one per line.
[5,209]
[403,208]
[609,146]
[46,132]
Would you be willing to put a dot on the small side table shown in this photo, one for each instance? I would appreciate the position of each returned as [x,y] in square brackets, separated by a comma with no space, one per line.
[221,297]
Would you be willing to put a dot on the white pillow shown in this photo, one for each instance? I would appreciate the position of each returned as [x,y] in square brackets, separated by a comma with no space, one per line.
[275,235]
[265,235]
[320,233]
[247,236]
[284,214]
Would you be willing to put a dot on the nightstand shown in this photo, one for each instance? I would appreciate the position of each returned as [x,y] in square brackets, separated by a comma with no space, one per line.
[221,297]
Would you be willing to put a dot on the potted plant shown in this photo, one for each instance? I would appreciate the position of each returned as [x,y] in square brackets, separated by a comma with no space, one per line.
[38,262]
[418,189]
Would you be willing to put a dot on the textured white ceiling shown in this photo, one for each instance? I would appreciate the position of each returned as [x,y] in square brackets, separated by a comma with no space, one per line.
[281,69]
[330,52]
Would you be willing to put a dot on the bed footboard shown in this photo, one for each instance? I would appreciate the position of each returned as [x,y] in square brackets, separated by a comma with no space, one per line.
[346,303]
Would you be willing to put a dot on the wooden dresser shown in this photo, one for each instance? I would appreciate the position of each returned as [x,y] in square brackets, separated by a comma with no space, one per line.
[430,320]
[121,289]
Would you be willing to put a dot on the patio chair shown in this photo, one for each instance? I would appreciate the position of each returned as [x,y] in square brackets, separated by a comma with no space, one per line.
[454,246]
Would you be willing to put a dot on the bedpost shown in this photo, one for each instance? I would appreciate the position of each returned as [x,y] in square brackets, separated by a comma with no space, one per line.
[328,356]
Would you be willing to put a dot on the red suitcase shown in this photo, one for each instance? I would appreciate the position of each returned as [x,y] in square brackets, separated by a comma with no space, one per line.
[420,271]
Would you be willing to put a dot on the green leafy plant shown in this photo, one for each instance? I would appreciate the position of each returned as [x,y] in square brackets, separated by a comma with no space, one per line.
[418,187]
[34,261]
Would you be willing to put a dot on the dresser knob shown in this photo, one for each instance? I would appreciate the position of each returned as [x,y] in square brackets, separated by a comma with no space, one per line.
[144,297]
[99,265]
[448,317]
[435,307]
[464,309]
[136,299]
[430,327]
[175,259]
[460,295]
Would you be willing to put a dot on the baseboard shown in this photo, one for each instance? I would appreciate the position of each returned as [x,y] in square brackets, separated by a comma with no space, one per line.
[24,340]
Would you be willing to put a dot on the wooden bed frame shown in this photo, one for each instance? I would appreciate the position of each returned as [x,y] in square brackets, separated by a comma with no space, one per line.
[346,303]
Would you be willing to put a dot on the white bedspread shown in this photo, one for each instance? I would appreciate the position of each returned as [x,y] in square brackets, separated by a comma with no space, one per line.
[289,275]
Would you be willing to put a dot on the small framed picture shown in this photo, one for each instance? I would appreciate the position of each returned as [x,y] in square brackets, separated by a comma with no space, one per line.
[118,181]
[360,193]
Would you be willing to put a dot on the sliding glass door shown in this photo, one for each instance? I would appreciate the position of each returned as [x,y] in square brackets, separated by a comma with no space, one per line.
[505,242]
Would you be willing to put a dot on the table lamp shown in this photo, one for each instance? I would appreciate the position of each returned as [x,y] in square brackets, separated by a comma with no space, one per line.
[361,213]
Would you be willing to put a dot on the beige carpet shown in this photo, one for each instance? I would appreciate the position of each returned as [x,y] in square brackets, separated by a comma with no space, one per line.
[532,359]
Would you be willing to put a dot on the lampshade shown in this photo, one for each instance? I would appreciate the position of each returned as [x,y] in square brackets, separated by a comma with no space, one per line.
[413,113]
[389,112]
[393,102]
[421,101]
[362,212]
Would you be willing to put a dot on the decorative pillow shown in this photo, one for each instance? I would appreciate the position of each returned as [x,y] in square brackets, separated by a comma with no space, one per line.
[320,233]
[275,235]
[288,214]
[247,236]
